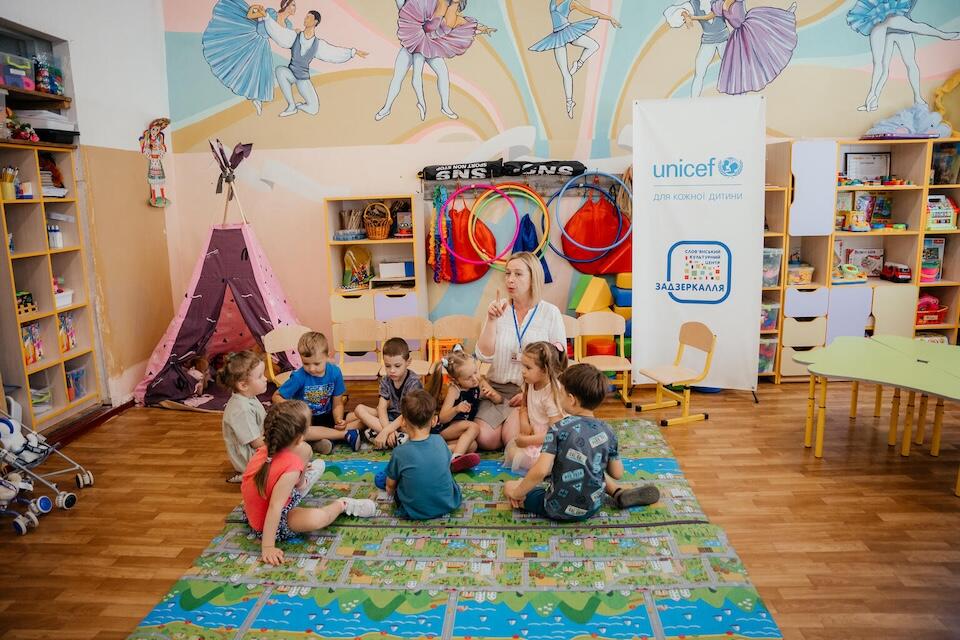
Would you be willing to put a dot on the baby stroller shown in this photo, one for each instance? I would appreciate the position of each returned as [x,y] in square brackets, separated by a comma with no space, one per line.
[22,451]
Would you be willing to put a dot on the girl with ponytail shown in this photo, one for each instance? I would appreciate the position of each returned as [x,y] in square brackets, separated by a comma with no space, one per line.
[277,478]
[543,364]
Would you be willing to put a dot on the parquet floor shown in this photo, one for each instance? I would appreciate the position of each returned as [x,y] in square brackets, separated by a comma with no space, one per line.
[861,545]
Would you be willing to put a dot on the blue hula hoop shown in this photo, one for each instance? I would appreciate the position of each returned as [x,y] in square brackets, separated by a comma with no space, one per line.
[617,243]
[601,254]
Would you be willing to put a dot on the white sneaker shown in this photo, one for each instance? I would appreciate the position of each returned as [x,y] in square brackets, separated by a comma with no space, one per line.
[359,508]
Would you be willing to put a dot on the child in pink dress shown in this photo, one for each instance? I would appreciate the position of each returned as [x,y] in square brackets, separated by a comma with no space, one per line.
[543,363]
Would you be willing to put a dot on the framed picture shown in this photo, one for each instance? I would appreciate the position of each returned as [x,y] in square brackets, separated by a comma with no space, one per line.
[866,166]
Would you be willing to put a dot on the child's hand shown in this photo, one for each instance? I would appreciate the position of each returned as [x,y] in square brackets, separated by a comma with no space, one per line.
[516,400]
[463,407]
[340,425]
[511,491]
[272,555]
[382,441]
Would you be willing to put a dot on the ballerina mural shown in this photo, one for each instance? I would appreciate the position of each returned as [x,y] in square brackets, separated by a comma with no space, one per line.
[430,31]
[571,33]
[759,47]
[237,48]
[889,26]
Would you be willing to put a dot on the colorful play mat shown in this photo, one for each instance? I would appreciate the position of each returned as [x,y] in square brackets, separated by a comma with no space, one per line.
[485,572]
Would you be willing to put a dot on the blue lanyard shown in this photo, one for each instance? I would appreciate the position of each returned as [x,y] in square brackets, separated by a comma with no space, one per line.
[526,325]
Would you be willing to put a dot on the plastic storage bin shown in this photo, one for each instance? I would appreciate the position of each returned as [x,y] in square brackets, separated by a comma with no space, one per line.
[769,313]
[768,355]
[64,298]
[16,72]
[772,258]
[800,274]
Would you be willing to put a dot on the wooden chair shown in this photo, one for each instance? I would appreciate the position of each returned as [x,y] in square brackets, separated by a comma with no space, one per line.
[572,328]
[606,323]
[692,334]
[413,328]
[465,329]
[363,331]
[281,339]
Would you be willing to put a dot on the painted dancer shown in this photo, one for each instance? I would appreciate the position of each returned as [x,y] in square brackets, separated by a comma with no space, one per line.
[889,26]
[305,47]
[760,45]
[237,47]
[575,33]
[430,31]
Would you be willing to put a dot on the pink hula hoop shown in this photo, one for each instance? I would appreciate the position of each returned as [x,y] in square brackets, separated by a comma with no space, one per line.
[473,187]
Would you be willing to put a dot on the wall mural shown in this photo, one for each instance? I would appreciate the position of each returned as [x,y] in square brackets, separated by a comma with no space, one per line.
[231,61]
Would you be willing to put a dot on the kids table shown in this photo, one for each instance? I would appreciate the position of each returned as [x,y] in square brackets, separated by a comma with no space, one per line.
[893,361]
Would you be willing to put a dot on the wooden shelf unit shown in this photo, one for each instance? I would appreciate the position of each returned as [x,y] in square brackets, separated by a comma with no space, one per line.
[776,205]
[31,266]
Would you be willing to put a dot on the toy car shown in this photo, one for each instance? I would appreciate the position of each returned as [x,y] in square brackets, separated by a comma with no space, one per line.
[896,272]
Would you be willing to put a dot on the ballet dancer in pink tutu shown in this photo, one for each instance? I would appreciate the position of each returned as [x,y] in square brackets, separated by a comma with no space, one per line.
[430,31]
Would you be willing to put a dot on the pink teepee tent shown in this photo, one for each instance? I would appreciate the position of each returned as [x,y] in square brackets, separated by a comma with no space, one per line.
[232,301]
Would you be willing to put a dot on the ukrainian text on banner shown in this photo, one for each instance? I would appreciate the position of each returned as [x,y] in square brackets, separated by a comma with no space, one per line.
[698,189]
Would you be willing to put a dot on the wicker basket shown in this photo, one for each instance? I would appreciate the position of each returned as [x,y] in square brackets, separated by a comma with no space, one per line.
[377,221]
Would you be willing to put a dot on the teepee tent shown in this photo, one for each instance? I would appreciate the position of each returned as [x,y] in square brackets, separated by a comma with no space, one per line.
[232,301]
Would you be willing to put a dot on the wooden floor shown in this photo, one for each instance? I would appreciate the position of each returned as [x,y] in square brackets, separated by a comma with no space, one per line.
[861,545]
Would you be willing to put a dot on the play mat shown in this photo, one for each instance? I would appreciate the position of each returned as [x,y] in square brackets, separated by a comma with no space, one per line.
[485,572]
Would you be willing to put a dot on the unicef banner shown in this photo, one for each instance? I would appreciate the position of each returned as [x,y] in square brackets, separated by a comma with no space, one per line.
[698,189]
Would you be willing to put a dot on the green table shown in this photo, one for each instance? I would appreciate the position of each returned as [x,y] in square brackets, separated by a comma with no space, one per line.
[901,363]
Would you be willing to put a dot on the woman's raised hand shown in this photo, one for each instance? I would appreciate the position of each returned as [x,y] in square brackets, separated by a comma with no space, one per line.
[497,307]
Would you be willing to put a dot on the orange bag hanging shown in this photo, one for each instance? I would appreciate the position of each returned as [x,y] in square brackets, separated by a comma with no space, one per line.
[595,225]
[464,272]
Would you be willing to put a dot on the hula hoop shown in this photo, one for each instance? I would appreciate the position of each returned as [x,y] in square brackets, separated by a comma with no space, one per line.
[601,254]
[617,243]
[445,239]
[520,190]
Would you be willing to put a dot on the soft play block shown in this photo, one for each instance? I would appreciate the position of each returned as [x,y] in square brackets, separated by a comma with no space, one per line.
[627,347]
[601,347]
[597,297]
[580,284]
[625,280]
[629,330]
[626,312]
[622,297]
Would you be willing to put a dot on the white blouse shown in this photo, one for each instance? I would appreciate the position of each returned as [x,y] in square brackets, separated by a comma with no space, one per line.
[546,325]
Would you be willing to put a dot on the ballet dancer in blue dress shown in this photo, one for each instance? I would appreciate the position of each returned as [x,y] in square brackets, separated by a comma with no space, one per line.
[237,48]
[575,33]
[888,24]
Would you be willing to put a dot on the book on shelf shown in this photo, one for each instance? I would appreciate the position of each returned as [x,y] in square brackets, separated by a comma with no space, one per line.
[32,343]
[946,164]
[931,260]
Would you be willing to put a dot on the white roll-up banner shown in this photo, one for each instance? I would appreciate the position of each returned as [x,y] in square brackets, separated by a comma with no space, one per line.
[698,216]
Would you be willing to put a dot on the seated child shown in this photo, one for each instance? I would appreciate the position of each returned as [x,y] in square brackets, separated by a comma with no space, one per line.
[383,422]
[542,363]
[319,383]
[419,472]
[243,416]
[459,408]
[576,452]
[277,478]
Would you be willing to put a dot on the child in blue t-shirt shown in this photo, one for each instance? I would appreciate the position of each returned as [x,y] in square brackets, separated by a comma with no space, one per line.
[320,384]
[419,471]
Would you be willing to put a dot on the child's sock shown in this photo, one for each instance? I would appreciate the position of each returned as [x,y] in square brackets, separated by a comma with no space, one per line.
[359,508]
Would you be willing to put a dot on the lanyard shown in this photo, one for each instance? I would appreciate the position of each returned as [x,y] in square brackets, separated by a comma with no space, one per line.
[526,325]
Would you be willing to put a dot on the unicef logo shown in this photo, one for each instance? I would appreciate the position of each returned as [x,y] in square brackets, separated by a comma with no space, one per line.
[731,167]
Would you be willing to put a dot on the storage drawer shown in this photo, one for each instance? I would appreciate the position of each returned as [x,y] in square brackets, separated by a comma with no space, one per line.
[806,303]
[387,306]
[787,365]
[344,308]
[804,333]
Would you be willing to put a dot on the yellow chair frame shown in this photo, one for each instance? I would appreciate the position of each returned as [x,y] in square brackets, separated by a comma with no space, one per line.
[692,334]
[606,323]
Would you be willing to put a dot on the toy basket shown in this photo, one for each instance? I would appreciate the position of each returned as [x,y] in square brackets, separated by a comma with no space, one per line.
[377,221]
[931,316]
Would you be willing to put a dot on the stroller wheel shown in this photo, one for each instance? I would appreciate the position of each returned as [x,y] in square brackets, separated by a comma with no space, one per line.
[89,475]
[41,505]
[66,500]
[20,525]
[31,519]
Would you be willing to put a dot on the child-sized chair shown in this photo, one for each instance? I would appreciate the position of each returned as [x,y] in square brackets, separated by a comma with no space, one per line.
[692,334]
[463,329]
[364,331]
[413,329]
[281,339]
[571,327]
[606,323]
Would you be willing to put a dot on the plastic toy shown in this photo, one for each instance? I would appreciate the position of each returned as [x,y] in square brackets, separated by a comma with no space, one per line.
[848,274]
[941,213]
[445,237]
[896,272]
[513,189]
[929,310]
[25,303]
[12,488]
[357,269]
[856,221]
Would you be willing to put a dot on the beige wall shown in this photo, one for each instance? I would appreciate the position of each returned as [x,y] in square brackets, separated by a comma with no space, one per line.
[131,265]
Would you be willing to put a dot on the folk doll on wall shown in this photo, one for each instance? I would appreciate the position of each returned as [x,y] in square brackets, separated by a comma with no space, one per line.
[154,146]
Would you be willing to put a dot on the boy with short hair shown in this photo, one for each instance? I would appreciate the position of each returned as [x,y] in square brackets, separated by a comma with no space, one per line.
[419,472]
[383,422]
[319,383]
[577,451]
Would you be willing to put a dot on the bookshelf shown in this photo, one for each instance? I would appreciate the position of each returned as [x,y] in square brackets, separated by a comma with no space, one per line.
[63,379]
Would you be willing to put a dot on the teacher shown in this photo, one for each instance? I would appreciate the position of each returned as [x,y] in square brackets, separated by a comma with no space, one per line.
[511,325]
